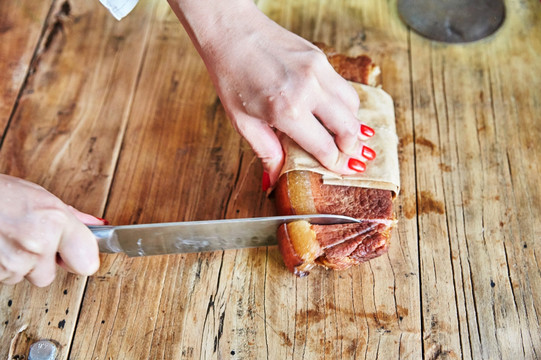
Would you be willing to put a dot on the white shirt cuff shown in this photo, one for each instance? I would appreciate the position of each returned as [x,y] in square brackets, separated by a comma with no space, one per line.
[119,8]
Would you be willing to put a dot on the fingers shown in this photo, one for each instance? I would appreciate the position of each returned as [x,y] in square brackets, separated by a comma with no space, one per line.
[312,136]
[343,148]
[337,109]
[78,249]
[87,218]
[265,144]
[10,271]
[44,271]
[35,228]
[24,254]
[341,122]
[326,125]
[12,279]
[346,155]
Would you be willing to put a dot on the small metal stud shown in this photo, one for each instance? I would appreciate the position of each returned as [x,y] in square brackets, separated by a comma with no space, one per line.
[42,350]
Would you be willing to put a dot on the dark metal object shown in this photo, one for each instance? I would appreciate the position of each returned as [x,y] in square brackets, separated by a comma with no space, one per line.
[453,21]
[200,236]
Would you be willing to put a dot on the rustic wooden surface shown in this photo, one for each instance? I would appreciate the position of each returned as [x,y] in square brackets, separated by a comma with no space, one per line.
[120,120]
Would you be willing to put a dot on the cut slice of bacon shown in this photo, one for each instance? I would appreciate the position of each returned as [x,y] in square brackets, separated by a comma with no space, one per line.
[338,247]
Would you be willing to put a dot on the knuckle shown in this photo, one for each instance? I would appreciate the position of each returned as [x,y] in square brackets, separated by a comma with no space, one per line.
[315,60]
[25,237]
[5,272]
[349,129]
[281,113]
[44,231]
[324,152]
[33,241]
[44,279]
[270,156]
[8,264]
[54,217]
[17,263]
[352,98]
[10,267]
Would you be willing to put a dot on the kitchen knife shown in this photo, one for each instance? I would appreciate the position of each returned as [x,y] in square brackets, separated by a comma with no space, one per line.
[199,236]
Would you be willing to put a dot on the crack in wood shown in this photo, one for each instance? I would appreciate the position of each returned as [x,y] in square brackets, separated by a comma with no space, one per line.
[58,26]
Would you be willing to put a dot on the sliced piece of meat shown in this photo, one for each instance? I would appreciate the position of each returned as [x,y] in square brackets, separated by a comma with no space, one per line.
[338,246]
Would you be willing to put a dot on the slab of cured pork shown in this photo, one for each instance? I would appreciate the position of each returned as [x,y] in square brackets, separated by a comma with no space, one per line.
[304,187]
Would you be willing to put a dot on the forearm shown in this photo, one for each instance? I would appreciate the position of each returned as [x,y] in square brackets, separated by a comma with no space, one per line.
[209,22]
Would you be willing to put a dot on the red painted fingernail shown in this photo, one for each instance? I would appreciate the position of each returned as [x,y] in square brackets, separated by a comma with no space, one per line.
[266,181]
[367,130]
[368,153]
[105,222]
[356,165]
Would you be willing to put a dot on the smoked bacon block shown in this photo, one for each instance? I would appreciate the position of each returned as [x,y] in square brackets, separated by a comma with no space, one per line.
[304,188]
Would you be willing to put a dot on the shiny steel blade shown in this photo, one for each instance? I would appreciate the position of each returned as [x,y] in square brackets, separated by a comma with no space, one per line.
[200,236]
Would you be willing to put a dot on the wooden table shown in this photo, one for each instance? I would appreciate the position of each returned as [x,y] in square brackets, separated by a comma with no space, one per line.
[121,120]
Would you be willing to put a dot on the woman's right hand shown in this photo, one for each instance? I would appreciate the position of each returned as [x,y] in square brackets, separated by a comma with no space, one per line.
[37,231]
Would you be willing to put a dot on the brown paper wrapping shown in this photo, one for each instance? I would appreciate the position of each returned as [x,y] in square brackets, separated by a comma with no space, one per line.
[376,111]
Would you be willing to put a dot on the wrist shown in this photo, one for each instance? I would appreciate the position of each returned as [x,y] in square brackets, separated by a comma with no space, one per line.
[208,22]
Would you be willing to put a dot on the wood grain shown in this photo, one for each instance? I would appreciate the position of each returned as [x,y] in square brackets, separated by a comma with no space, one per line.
[120,119]
[464,181]
[21,27]
[65,135]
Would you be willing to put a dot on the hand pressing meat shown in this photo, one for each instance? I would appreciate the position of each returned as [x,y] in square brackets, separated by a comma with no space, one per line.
[272,81]
[306,188]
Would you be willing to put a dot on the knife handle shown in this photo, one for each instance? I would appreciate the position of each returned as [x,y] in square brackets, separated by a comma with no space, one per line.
[107,239]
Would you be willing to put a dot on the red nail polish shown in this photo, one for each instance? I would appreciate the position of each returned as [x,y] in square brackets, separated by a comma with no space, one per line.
[368,153]
[356,165]
[105,222]
[266,181]
[367,130]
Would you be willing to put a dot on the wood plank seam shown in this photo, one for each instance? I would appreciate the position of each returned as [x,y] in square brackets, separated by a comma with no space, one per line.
[30,70]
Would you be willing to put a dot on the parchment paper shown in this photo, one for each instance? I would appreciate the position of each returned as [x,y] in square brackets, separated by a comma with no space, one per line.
[376,111]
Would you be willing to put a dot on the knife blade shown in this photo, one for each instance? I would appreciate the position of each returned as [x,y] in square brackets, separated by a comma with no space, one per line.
[199,236]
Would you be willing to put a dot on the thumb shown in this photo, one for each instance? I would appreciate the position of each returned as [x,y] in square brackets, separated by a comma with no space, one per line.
[266,146]
[78,249]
